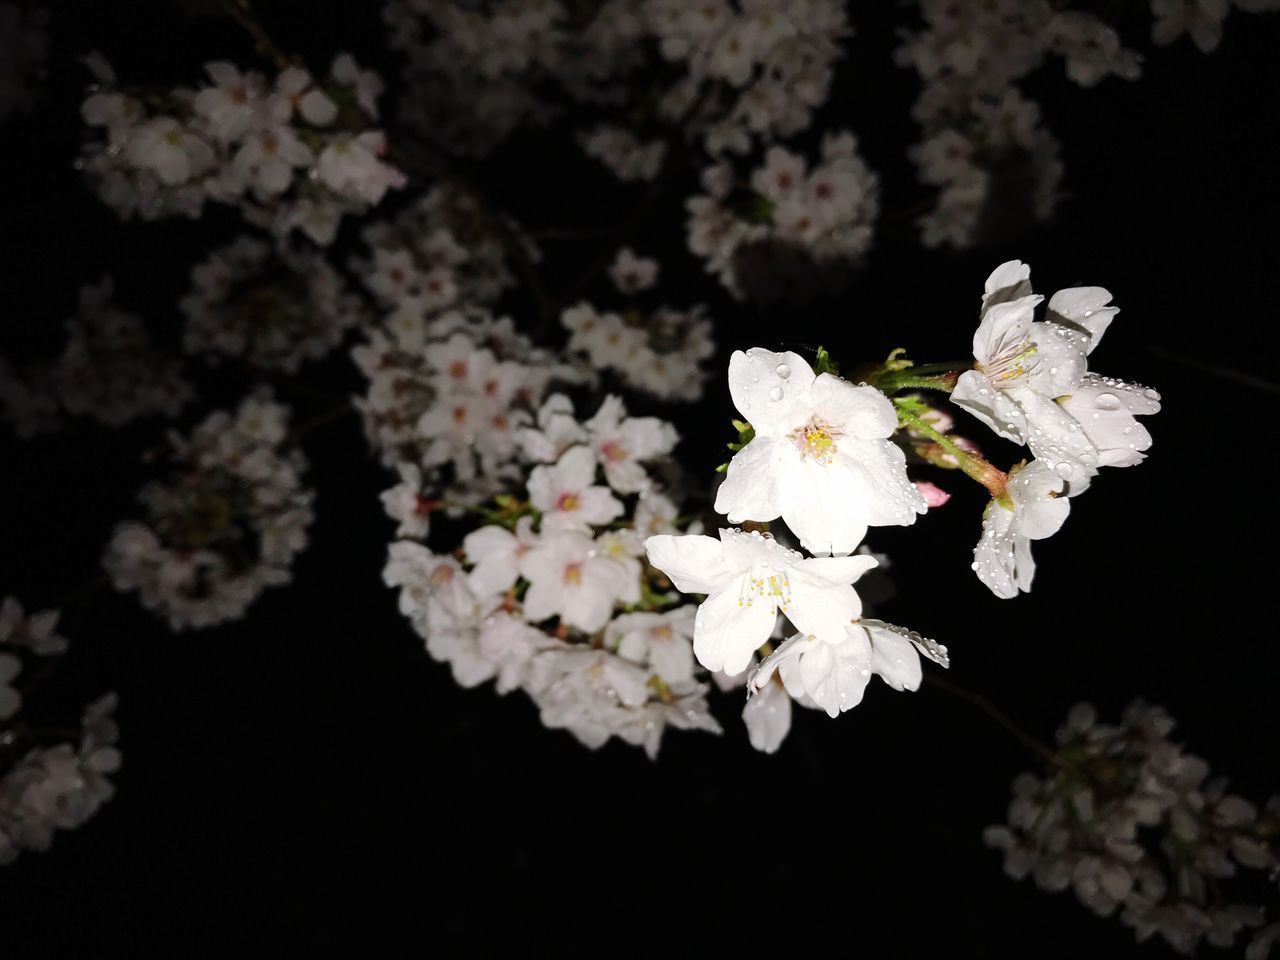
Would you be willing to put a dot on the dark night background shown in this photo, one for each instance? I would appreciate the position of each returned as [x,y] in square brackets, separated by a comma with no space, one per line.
[308,780]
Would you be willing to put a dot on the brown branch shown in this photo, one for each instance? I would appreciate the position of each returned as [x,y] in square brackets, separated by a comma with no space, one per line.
[241,11]
[999,716]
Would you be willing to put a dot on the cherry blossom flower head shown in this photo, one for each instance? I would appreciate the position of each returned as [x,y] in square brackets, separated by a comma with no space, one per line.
[821,457]
[749,579]
[1036,509]
[833,669]
[1031,382]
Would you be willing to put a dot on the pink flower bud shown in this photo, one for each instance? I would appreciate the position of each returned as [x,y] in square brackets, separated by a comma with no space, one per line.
[933,495]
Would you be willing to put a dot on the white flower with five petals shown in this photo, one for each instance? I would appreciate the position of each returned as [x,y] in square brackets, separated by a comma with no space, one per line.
[821,457]
[567,494]
[749,579]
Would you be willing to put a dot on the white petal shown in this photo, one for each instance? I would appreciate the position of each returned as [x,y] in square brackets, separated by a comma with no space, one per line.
[695,564]
[1009,281]
[730,627]
[1085,308]
[894,658]
[766,398]
[861,411]
[820,609]
[1003,327]
[768,718]
[977,394]
[750,487]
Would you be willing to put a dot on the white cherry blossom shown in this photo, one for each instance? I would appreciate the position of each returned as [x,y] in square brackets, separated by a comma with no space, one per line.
[749,579]
[1036,509]
[567,494]
[821,457]
[570,577]
[833,669]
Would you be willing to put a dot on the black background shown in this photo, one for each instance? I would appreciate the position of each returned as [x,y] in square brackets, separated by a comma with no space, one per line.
[310,780]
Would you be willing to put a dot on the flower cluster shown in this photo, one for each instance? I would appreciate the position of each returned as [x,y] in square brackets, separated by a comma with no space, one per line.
[823,217]
[659,352]
[24,44]
[1031,385]
[820,458]
[224,526]
[274,307]
[1131,822]
[451,393]
[46,783]
[473,70]
[983,141]
[1200,20]
[624,153]
[437,253]
[763,66]
[292,154]
[550,595]
[111,369]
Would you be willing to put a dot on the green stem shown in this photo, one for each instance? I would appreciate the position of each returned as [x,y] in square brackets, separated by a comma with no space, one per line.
[973,465]
[909,380]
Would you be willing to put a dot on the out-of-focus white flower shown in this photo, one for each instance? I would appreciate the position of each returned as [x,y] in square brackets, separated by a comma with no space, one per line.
[567,494]
[570,577]
[821,457]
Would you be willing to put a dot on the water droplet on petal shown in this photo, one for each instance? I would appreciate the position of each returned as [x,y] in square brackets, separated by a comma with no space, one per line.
[783,371]
[1107,401]
[775,394]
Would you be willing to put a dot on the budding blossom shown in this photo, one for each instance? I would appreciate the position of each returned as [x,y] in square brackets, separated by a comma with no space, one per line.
[821,457]
[225,526]
[282,152]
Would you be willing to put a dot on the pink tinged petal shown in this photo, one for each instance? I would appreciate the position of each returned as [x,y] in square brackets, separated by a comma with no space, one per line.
[750,487]
[768,718]
[1003,328]
[1084,308]
[730,626]
[860,411]
[894,658]
[934,495]
[694,563]
[770,389]
[978,395]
